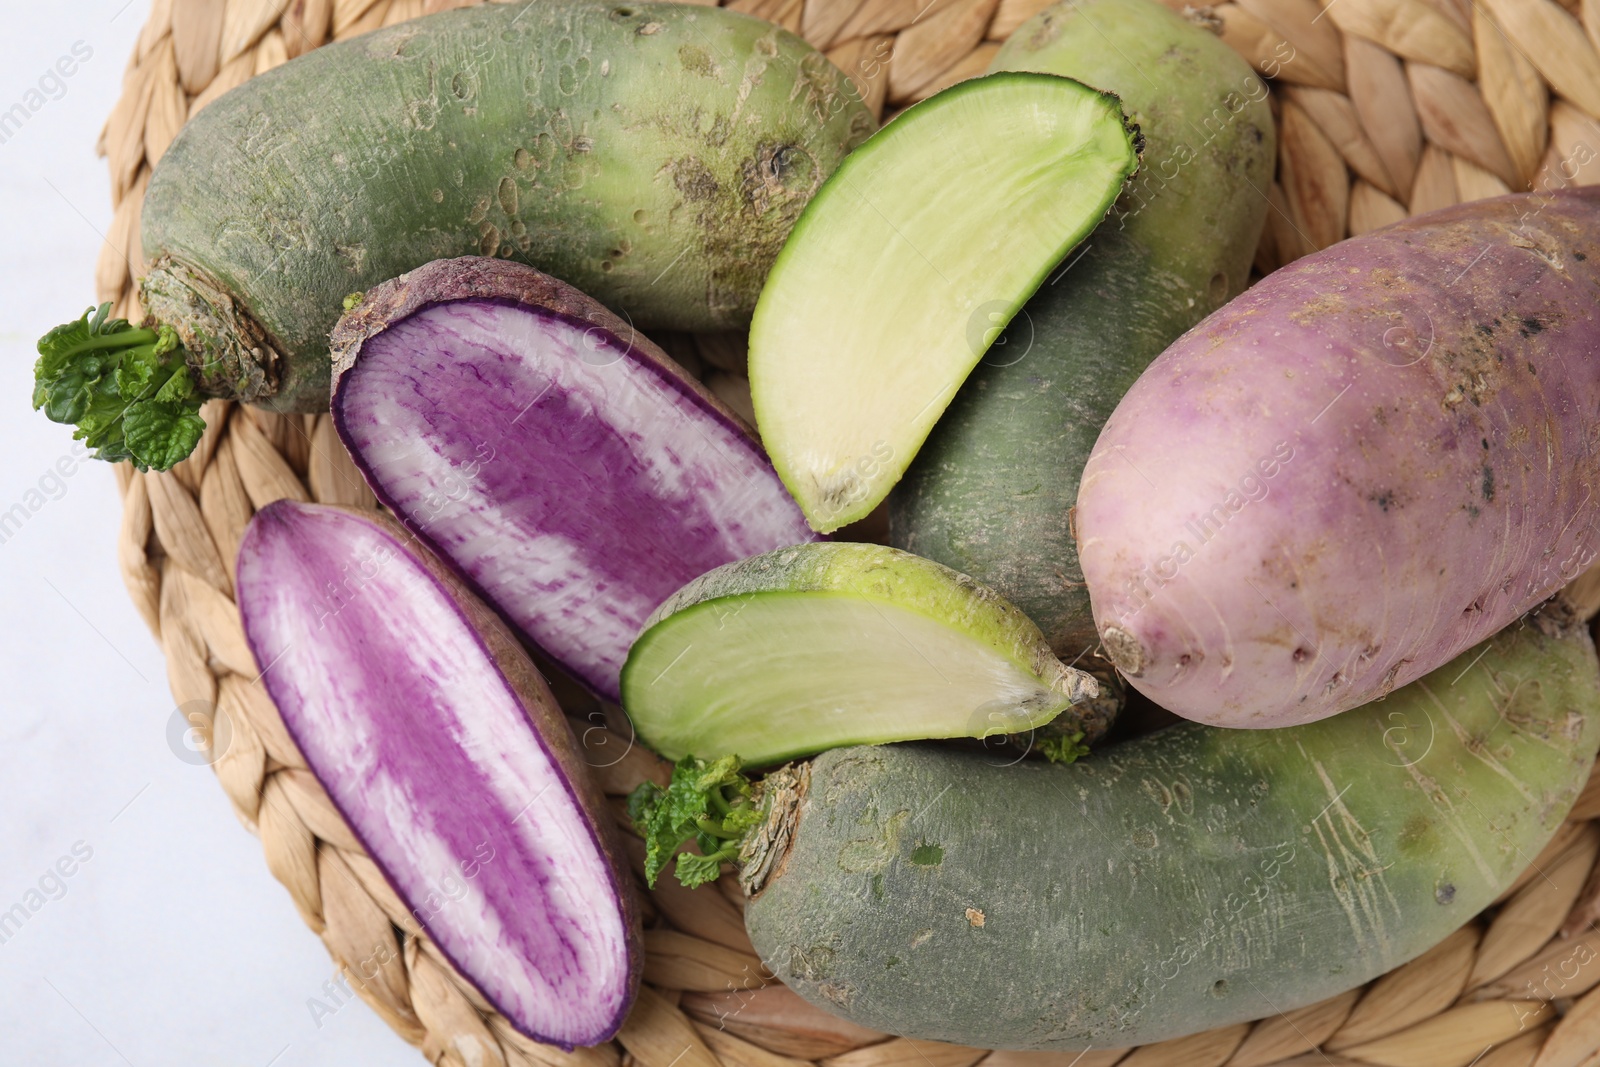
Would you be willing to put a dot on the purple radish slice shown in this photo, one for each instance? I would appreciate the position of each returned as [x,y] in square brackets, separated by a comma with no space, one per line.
[437,739]
[564,465]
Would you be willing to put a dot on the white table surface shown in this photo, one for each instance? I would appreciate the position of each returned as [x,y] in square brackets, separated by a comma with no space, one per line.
[171,943]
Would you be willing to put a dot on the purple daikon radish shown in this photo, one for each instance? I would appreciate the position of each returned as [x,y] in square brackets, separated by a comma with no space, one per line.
[437,739]
[1381,455]
[564,465]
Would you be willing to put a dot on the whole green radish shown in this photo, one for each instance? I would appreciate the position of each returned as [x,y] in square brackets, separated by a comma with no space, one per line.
[1189,879]
[654,156]
[991,492]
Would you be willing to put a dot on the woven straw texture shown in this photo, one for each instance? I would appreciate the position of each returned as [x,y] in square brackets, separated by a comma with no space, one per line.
[1385,107]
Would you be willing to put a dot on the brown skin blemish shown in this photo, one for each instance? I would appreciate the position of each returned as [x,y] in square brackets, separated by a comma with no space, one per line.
[776,173]
[1387,686]
[696,60]
[353,256]
[745,226]
[1315,311]
[742,205]
[838,994]
[1125,651]
[811,963]
[818,82]
[694,180]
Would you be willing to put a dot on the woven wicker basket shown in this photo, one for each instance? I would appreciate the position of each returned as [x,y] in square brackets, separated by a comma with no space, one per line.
[1384,107]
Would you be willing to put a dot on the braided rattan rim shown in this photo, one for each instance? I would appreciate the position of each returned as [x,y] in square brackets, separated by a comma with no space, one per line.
[1384,106]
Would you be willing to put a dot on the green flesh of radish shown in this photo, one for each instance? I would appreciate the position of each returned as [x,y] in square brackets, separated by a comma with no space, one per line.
[907,264]
[823,645]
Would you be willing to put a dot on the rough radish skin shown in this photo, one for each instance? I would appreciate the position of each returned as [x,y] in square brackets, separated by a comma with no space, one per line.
[1375,458]
[1189,879]
[444,750]
[556,458]
[656,155]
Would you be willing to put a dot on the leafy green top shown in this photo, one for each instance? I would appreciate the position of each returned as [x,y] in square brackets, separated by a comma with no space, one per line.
[708,802]
[128,389]
[1062,748]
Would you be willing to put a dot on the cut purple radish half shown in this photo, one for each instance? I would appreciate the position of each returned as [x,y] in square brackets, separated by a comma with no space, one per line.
[562,463]
[435,736]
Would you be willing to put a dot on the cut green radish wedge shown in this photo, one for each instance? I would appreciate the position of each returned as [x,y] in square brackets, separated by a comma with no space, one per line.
[830,644]
[907,265]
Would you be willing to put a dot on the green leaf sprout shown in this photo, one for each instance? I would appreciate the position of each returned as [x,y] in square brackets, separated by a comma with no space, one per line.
[709,803]
[1062,748]
[127,389]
